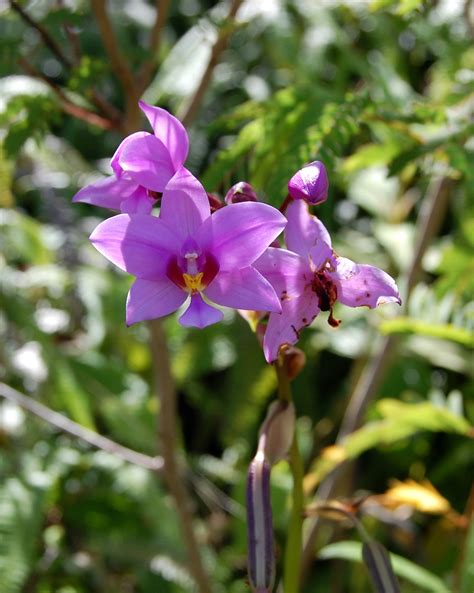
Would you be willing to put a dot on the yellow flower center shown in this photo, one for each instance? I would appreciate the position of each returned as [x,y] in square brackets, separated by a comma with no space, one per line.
[193,282]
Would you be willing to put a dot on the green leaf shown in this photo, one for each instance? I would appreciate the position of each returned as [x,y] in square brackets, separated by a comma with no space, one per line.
[406,569]
[399,421]
[20,522]
[446,331]
[467,570]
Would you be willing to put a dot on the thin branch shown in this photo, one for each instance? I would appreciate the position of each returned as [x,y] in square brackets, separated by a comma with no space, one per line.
[174,469]
[162,10]
[429,221]
[102,104]
[217,49]
[119,64]
[68,106]
[89,436]
[45,36]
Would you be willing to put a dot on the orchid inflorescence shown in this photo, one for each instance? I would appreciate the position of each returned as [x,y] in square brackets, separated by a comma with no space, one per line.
[203,251]
[200,251]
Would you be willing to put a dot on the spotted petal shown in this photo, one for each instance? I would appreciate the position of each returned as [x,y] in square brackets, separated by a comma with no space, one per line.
[169,130]
[286,271]
[151,299]
[361,285]
[285,327]
[303,230]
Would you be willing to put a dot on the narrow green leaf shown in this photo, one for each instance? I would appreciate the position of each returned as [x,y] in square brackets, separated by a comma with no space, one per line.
[445,331]
[403,568]
[377,560]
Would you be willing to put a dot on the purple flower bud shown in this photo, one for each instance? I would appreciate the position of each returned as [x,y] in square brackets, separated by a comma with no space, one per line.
[241,192]
[310,183]
[276,434]
[261,556]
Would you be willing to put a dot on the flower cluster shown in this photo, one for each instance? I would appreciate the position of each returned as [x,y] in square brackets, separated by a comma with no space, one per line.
[226,256]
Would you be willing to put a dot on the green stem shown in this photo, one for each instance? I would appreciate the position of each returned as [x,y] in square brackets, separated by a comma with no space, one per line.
[294,544]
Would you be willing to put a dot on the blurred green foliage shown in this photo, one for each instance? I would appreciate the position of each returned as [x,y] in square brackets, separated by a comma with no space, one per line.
[382,92]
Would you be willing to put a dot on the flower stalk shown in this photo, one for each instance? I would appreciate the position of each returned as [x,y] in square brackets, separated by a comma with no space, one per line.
[293,549]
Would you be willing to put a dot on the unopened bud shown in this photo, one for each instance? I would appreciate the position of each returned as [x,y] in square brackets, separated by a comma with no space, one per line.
[261,555]
[310,183]
[276,434]
[293,359]
[241,192]
[214,202]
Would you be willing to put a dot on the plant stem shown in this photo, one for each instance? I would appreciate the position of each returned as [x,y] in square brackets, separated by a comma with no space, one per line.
[219,46]
[174,467]
[85,434]
[294,543]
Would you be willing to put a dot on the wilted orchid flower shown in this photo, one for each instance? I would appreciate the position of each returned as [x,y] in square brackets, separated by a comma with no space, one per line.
[310,183]
[313,278]
[143,164]
[187,252]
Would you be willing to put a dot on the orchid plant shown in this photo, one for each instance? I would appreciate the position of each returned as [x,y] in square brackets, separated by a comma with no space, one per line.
[200,252]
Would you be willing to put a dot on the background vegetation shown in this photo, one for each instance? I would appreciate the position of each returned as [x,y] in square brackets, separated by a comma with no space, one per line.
[382,93]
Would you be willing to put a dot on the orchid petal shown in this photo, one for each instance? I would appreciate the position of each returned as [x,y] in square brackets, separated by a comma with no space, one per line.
[107,193]
[169,130]
[151,299]
[360,285]
[199,313]
[243,289]
[285,327]
[320,254]
[138,203]
[238,234]
[147,161]
[286,271]
[115,162]
[184,204]
[303,230]
[138,244]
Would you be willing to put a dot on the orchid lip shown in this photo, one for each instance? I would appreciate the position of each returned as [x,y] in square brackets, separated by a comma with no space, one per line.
[192,272]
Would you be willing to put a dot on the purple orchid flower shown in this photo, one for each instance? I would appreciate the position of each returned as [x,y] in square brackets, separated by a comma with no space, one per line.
[312,277]
[143,164]
[187,252]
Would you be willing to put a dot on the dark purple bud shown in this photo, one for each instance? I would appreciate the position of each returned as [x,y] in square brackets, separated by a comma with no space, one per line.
[261,556]
[241,192]
[310,183]
[214,202]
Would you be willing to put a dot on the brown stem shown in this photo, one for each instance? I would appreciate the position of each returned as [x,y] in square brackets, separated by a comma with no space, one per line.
[75,429]
[174,468]
[119,65]
[162,10]
[68,106]
[45,36]
[219,46]
[429,222]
